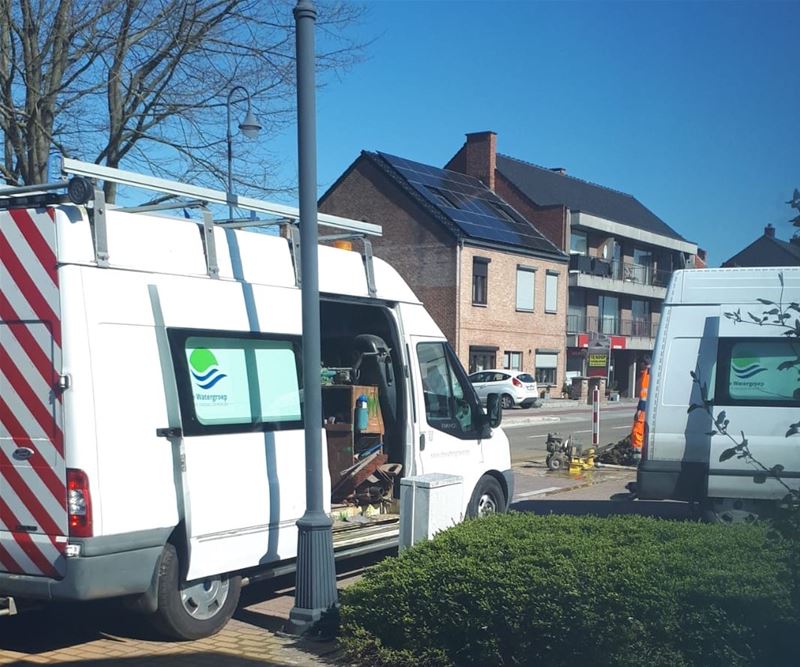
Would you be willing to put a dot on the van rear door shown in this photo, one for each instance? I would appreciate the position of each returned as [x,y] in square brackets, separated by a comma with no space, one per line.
[33,512]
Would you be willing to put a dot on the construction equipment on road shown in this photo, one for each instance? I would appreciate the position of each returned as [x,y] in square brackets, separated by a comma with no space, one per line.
[566,454]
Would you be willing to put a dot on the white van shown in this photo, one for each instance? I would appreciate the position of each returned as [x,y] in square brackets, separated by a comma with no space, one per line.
[151,409]
[725,382]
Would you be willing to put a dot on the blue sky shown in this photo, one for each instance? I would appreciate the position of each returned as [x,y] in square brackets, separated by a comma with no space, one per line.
[692,107]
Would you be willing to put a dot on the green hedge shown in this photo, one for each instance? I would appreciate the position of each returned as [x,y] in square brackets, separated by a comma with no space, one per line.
[521,589]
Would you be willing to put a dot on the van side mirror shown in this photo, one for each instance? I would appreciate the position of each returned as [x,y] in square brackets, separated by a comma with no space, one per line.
[494,410]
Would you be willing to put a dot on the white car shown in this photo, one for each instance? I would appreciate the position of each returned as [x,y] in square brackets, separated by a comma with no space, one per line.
[514,387]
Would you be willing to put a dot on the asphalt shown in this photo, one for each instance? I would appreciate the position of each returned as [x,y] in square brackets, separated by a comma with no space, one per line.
[554,409]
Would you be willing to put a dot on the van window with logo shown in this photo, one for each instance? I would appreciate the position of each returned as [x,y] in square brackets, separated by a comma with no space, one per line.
[759,371]
[237,382]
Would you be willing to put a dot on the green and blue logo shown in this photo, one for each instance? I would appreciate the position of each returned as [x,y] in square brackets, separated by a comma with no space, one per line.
[205,368]
[746,368]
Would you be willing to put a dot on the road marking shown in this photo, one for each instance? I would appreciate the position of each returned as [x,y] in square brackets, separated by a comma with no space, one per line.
[539,491]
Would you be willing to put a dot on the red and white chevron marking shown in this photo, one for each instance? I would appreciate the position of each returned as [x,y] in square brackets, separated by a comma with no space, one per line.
[33,513]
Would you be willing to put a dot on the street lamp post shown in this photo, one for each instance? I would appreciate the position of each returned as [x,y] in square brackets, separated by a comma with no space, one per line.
[250,127]
[315,585]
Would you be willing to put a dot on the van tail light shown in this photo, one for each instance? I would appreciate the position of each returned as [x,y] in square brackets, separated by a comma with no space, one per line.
[516,382]
[79,503]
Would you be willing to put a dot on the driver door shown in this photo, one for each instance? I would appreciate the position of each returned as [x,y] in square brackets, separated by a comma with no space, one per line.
[449,420]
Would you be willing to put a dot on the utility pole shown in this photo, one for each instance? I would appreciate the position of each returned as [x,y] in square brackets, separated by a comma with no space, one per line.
[315,585]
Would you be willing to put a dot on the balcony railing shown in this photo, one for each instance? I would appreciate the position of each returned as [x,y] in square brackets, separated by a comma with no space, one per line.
[642,327]
[640,274]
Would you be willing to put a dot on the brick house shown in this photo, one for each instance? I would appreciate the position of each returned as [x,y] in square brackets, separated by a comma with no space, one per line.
[767,250]
[621,254]
[494,284]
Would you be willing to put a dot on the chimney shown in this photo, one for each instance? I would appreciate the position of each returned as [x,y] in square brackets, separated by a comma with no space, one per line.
[559,170]
[481,156]
[769,230]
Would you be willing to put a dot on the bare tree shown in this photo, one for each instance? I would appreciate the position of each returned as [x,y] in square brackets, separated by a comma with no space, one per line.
[144,83]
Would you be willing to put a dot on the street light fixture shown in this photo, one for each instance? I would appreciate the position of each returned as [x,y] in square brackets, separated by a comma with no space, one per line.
[249,127]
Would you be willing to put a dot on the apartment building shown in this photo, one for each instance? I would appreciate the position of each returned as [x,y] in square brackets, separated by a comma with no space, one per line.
[621,254]
[493,283]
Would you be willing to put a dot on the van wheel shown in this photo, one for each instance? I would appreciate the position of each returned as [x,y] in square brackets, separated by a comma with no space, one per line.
[488,498]
[192,609]
[731,510]
[506,402]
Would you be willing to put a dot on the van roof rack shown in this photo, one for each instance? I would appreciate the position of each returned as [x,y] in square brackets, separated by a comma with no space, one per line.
[79,190]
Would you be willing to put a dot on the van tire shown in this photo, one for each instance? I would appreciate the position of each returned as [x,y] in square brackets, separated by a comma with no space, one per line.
[731,511]
[192,610]
[487,498]
[506,402]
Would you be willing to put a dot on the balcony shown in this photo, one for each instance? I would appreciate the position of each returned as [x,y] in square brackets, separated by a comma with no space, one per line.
[641,332]
[618,276]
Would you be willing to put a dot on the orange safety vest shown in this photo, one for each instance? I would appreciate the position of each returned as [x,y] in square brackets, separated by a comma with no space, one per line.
[637,433]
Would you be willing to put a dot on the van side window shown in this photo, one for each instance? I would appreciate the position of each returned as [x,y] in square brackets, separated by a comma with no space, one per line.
[450,403]
[233,382]
[758,372]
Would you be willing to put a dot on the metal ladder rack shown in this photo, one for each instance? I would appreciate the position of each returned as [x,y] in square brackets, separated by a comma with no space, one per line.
[82,190]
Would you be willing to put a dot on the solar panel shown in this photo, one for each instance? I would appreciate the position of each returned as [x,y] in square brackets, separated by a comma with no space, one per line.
[475,210]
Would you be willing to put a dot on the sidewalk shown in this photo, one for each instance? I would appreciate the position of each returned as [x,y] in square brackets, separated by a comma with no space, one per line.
[554,409]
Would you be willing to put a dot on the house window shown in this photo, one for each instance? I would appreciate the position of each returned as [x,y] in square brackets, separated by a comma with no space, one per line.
[609,314]
[546,366]
[481,358]
[551,292]
[578,244]
[443,197]
[576,311]
[512,361]
[480,279]
[642,269]
[525,288]
[640,318]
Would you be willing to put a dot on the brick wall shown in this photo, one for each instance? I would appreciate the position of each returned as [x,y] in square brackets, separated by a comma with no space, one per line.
[499,323]
[415,244]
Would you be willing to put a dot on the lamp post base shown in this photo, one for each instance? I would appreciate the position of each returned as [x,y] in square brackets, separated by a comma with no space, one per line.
[315,583]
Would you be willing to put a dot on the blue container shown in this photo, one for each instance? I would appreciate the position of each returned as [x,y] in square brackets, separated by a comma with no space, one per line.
[362,413]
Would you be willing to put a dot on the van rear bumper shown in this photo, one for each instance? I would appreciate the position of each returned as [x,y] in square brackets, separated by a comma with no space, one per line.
[671,480]
[107,567]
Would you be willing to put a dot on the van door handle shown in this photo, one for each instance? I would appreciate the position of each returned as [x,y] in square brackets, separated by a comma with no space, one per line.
[422,442]
[169,432]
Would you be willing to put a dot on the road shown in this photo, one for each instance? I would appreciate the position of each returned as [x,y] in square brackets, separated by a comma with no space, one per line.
[527,441]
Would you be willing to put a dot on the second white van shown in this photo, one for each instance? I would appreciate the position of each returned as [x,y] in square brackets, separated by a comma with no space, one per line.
[723,413]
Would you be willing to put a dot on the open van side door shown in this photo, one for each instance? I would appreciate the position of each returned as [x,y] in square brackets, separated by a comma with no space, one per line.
[241,419]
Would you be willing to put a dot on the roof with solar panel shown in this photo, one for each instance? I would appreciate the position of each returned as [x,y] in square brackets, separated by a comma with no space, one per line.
[471,209]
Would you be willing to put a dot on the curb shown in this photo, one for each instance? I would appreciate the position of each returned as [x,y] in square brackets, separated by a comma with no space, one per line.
[527,421]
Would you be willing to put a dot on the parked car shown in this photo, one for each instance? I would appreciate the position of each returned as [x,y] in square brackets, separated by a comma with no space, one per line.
[514,387]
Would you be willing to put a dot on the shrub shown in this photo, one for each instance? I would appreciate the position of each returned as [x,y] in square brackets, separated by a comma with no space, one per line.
[521,589]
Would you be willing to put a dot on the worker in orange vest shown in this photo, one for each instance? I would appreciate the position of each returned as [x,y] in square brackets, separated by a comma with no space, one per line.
[637,433]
